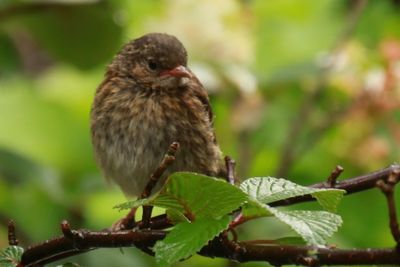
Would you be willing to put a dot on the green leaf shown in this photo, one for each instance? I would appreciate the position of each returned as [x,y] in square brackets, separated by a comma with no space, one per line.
[176,217]
[11,256]
[188,238]
[268,189]
[195,194]
[132,204]
[69,264]
[255,209]
[204,196]
[329,199]
[313,226]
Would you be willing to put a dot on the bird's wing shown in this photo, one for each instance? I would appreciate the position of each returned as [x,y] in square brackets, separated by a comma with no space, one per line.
[201,93]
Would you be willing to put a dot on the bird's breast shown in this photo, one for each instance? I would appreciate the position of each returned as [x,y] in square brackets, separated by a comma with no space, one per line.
[131,134]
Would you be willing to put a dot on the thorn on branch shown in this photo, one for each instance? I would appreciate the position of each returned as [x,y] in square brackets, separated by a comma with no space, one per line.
[334,175]
[230,169]
[233,247]
[12,237]
[66,230]
[387,188]
[308,261]
[76,236]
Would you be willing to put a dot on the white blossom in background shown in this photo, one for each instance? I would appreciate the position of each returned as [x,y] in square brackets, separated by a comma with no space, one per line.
[207,76]
[374,80]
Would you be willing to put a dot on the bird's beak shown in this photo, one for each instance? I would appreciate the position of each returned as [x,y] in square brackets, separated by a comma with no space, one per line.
[179,71]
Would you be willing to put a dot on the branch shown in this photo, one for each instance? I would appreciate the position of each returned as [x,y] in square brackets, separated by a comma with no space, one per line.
[302,255]
[351,185]
[79,241]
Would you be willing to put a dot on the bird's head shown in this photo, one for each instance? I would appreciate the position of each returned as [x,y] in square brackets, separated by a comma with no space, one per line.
[155,60]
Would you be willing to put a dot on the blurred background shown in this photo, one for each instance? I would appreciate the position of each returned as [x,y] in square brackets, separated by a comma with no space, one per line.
[297,87]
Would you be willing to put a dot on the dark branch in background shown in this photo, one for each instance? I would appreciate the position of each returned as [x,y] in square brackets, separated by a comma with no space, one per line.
[290,150]
[79,241]
[31,8]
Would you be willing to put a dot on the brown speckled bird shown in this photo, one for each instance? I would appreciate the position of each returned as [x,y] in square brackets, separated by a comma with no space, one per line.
[149,99]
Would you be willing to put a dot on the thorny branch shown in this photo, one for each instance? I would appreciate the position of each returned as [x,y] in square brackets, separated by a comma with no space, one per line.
[79,241]
[387,187]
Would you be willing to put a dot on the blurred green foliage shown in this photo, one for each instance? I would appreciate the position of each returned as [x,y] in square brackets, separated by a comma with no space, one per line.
[269,66]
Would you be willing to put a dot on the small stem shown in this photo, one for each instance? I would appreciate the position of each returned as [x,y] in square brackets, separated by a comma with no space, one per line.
[230,168]
[334,175]
[238,220]
[66,229]
[12,237]
[146,216]
[308,260]
[168,159]
[128,222]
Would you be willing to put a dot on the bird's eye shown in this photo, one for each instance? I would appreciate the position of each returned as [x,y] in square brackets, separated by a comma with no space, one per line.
[152,65]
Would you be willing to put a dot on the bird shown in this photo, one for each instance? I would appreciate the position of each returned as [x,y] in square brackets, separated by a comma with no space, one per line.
[150,98]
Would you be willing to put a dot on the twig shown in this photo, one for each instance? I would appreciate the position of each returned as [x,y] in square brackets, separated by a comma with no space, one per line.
[230,169]
[334,175]
[168,159]
[387,188]
[12,237]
